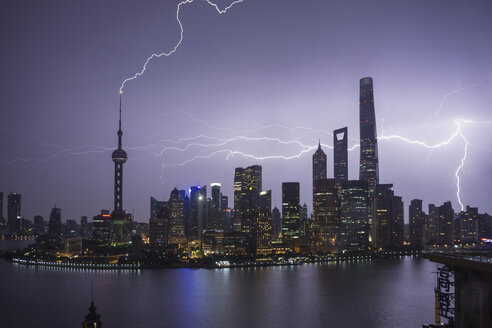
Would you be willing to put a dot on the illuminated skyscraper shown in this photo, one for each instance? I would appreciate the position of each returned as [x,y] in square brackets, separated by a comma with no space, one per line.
[319,164]
[387,218]
[340,155]
[159,231]
[369,164]
[176,218]
[262,226]
[276,223]
[247,187]
[216,219]
[416,223]
[102,227]
[354,214]
[431,225]
[155,207]
[121,222]
[325,214]
[291,220]
[198,198]
[445,226]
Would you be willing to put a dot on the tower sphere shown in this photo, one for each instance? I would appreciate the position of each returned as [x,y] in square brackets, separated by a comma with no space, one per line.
[119,156]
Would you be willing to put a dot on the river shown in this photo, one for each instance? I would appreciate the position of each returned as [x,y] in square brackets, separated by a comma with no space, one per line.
[366,293]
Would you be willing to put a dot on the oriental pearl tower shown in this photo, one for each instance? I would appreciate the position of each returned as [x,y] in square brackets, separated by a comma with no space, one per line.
[121,222]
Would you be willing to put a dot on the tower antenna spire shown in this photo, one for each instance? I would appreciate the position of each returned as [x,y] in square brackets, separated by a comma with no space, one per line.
[120,133]
[121,93]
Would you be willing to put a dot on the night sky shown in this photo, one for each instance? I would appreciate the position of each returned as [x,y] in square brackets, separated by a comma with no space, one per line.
[267,79]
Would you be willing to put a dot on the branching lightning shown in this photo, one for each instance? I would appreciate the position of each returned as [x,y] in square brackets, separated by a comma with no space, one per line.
[214,145]
[181,33]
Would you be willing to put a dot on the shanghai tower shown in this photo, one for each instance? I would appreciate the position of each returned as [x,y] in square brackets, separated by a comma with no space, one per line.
[369,167]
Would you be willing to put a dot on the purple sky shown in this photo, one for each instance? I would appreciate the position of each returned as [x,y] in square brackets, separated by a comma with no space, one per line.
[265,62]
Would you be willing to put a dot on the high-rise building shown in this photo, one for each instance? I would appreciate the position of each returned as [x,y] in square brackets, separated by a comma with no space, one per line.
[326,221]
[216,219]
[158,231]
[155,207]
[215,190]
[55,223]
[340,155]
[247,187]
[13,211]
[291,221]
[303,220]
[369,163]
[416,223]
[431,225]
[353,198]
[38,225]
[276,223]
[468,225]
[224,202]
[319,164]
[262,227]
[484,226]
[445,226]
[198,199]
[387,218]
[102,227]
[121,222]
[84,227]
[176,219]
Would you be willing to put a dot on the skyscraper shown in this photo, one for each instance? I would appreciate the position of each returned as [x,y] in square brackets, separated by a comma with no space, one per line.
[121,222]
[291,221]
[262,225]
[340,155]
[325,210]
[276,223]
[198,198]
[38,225]
[416,222]
[387,218]
[158,231]
[247,187]
[354,214]
[216,220]
[319,164]
[155,207]
[369,164]
[102,227]
[325,214]
[431,225]
[13,211]
[55,223]
[445,224]
[176,218]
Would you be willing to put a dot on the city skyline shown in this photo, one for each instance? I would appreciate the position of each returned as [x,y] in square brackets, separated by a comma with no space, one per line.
[428,176]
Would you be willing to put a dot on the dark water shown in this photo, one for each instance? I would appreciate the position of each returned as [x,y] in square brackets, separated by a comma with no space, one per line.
[377,293]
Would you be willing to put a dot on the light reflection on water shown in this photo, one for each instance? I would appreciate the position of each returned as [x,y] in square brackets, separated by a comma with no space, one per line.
[360,293]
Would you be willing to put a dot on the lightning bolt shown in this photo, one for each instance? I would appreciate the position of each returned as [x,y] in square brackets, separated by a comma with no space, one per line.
[181,33]
[449,94]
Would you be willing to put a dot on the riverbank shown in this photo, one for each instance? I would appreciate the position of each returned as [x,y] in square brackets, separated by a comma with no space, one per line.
[261,262]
